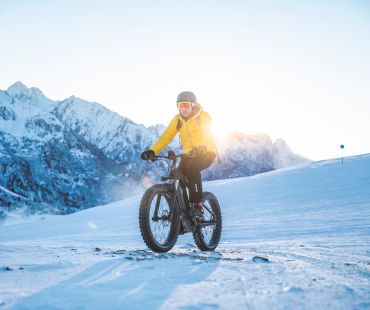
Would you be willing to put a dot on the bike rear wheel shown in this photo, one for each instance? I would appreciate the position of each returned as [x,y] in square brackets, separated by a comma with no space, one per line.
[159,221]
[208,233]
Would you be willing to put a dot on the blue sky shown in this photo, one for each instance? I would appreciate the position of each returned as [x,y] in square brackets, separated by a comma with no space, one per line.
[299,70]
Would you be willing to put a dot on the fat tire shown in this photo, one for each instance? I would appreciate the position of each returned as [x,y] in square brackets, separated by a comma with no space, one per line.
[144,220]
[216,236]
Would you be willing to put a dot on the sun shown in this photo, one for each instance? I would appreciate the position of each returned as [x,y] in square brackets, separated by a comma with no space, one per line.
[220,131]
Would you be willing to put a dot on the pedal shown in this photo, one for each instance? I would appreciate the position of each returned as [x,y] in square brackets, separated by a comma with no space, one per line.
[198,217]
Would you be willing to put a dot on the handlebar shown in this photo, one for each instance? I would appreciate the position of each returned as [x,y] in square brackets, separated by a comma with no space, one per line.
[171,156]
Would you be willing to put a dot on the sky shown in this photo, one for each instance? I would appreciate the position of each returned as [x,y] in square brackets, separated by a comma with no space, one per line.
[296,70]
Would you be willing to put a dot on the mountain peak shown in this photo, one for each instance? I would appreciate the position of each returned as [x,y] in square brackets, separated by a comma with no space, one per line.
[281,144]
[18,88]
[37,91]
[241,137]
[73,97]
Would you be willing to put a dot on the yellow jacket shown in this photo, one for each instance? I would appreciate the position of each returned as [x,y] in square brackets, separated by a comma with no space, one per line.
[194,132]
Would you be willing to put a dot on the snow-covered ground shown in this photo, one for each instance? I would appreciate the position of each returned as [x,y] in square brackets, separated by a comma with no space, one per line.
[297,238]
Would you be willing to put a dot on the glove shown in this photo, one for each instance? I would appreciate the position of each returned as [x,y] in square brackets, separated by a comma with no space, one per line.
[147,155]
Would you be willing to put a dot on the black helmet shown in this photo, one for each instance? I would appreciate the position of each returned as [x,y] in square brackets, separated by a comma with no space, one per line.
[186,96]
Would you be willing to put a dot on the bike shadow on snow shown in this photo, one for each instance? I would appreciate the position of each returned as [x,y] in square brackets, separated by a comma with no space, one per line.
[136,279]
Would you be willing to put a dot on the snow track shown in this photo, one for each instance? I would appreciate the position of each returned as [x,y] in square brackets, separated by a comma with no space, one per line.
[293,239]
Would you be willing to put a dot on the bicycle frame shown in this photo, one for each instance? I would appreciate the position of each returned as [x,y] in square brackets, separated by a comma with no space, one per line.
[179,196]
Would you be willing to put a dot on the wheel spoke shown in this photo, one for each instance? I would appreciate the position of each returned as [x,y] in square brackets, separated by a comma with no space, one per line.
[159,211]
[208,233]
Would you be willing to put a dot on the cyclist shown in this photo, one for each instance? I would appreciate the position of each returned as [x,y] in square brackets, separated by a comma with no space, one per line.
[197,141]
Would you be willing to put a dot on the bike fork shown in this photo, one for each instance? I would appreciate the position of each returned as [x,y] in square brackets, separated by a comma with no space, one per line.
[157,203]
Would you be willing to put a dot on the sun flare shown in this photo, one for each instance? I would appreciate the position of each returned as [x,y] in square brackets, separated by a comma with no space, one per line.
[220,131]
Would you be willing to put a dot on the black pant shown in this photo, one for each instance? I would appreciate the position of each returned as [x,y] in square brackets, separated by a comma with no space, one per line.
[190,167]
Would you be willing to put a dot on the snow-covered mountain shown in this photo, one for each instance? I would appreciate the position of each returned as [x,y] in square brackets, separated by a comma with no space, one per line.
[243,155]
[65,155]
[295,238]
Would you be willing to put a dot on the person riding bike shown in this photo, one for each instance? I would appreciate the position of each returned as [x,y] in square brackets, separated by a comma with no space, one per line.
[197,141]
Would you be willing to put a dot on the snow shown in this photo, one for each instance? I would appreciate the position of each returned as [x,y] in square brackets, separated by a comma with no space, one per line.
[284,157]
[10,192]
[26,103]
[295,238]
[97,123]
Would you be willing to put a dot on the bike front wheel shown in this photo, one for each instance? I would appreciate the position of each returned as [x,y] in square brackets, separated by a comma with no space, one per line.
[208,233]
[159,221]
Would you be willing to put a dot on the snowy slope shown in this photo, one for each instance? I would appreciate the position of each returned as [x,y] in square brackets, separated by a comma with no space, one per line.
[312,224]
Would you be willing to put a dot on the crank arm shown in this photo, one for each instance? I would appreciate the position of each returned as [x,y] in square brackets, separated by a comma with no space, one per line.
[204,224]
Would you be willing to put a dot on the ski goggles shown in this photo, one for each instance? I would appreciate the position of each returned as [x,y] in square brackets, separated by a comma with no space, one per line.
[184,105]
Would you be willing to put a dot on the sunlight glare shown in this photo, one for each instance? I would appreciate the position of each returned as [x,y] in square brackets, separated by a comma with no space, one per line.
[220,131]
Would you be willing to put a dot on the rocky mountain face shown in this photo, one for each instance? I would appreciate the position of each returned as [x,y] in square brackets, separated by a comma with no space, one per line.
[61,156]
